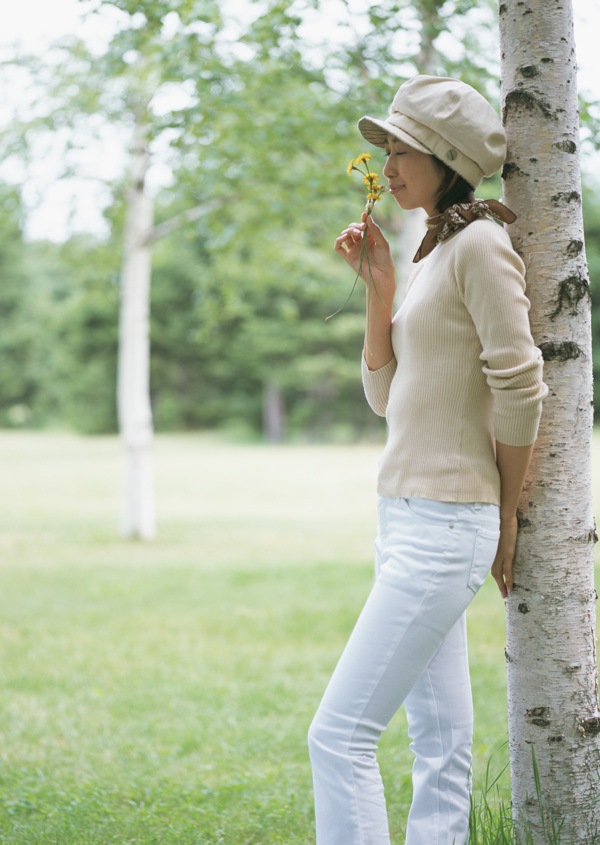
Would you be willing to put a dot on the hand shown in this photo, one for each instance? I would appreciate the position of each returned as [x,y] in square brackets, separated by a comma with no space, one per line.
[502,567]
[380,263]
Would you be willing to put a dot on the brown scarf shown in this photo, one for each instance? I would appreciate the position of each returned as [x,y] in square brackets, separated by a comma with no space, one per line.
[456,217]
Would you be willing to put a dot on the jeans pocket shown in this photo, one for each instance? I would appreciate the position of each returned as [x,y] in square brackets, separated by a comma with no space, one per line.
[484,552]
[430,510]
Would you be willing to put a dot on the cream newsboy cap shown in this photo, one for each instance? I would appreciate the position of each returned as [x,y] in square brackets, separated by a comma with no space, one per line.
[446,118]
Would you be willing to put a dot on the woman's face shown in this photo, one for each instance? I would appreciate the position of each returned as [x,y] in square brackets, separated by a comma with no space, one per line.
[414,177]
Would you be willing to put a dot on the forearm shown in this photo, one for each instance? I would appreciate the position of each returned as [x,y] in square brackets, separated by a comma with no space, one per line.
[512,463]
[378,349]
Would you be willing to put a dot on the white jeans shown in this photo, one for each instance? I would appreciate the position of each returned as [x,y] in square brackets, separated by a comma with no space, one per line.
[409,646]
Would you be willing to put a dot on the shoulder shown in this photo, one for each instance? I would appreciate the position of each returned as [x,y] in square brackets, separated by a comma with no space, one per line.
[485,245]
[482,235]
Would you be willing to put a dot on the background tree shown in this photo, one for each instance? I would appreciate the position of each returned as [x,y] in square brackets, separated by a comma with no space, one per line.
[241,289]
[551,654]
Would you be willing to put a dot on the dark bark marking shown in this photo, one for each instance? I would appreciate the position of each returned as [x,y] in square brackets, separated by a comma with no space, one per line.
[502,9]
[539,716]
[557,738]
[509,659]
[522,521]
[590,727]
[525,100]
[512,169]
[569,294]
[522,608]
[574,248]
[589,537]
[529,71]
[565,197]
[565,351]
[547,61]
[566,146]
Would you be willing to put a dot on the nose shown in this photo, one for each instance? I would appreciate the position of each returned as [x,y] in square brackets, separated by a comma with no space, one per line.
[388,167]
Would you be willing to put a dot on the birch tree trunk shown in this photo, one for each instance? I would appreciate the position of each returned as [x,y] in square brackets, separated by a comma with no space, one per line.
[133,391]
[551,654]
[412,223]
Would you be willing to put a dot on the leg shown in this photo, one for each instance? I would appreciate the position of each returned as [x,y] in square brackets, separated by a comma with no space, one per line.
[419,595]
[440,724]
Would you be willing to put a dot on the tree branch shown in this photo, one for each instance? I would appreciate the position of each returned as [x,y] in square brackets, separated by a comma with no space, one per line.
[188,216]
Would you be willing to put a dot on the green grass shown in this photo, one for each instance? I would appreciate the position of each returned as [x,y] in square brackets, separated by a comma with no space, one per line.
[161,692]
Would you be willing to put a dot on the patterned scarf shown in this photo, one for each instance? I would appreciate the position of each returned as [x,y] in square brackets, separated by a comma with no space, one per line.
[440,227]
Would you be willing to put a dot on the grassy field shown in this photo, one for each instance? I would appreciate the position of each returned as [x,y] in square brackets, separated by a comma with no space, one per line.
[161,692]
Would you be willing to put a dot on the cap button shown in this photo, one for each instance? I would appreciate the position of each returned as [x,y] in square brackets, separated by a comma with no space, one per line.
[451,155]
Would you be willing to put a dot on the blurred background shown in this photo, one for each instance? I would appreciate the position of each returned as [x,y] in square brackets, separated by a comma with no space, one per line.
[160,692]
[247,111]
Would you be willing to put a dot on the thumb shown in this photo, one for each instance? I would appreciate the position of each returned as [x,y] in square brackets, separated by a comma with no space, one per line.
[374,230]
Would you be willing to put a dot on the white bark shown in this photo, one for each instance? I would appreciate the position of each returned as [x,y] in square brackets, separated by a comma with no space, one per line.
[412,227]
[273,412]
[551,654]
[133,392]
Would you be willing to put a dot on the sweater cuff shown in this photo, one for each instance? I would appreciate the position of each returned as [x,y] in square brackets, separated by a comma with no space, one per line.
[376,384]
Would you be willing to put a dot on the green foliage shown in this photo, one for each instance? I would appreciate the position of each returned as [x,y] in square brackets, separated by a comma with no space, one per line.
[257,122]
[18,376]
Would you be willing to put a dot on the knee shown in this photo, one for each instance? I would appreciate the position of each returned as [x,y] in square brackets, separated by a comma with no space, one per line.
[318,735]
[333,735]
[326,736]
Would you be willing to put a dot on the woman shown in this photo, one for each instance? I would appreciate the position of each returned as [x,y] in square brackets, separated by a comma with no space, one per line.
[459,380]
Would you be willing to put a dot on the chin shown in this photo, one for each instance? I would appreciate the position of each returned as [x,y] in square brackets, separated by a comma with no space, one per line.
[405,203]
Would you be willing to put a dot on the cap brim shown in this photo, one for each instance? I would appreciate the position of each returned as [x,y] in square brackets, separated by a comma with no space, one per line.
[376,131]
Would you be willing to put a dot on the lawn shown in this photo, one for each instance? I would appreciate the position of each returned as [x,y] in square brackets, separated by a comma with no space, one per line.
[161,692]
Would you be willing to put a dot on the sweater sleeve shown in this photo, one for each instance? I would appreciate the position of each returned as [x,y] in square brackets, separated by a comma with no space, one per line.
[376,384]
[490,276]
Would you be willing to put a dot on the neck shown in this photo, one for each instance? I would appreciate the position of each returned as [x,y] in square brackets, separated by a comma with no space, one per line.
[445,206]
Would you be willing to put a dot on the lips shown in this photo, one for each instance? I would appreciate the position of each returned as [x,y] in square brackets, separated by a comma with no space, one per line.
[394,188]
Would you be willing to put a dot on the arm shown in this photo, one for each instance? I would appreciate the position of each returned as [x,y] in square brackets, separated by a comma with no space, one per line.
[379,275]
[493,284]
[512,462]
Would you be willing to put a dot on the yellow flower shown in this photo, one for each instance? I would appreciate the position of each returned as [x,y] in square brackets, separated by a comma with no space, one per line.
[351,167]
[363,159]
[373,196]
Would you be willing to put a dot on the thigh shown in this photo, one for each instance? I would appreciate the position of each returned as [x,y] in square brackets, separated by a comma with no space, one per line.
[442,694]
[417,598]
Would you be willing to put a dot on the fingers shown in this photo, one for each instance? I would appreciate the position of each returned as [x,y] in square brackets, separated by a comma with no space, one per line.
[501,585]
[355,231]
[353,234]
[508,576]
[503,576]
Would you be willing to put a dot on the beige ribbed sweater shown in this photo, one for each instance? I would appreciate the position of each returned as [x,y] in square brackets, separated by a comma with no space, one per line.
[465,371]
